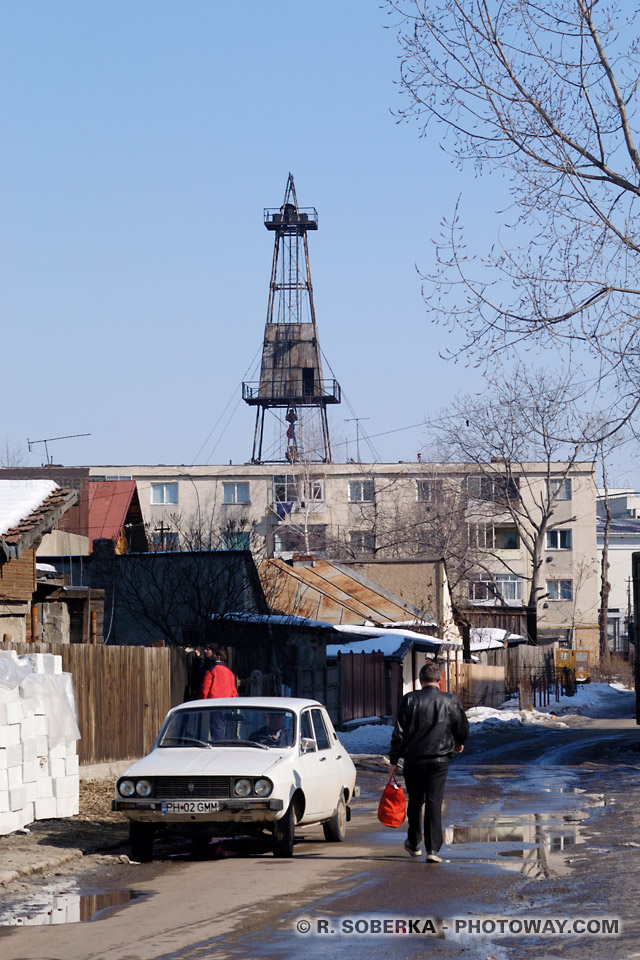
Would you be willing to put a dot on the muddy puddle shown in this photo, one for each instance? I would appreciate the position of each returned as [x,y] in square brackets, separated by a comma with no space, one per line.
[532,822]
[50,905]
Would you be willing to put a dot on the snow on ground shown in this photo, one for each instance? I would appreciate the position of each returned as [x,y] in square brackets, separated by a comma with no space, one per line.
[591,700]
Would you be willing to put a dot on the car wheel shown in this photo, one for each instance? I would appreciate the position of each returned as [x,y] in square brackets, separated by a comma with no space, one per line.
[283,834]
[335,829]
[141,841]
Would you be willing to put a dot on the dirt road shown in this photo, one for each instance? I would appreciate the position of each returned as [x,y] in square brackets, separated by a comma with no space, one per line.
[540,824]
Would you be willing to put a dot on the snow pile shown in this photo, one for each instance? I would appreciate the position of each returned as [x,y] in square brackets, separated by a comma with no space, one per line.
[368,739]
[593,699]
[483,719]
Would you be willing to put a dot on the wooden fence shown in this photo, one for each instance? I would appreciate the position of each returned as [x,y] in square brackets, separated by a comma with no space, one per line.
[478,685]
[123,694]
[363,685]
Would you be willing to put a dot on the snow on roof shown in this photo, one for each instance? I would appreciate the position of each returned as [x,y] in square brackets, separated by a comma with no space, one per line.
[392,643]
[275,618]
[492,638]
[402,634]
[19,498]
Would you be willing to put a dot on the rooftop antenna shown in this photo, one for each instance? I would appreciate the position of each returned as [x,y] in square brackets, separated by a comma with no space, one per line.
[357,420]
[71,436]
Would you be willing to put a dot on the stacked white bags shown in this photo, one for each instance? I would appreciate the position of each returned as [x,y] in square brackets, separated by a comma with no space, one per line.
[38,733]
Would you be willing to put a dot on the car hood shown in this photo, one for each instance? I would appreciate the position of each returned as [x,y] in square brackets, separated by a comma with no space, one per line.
[219,762]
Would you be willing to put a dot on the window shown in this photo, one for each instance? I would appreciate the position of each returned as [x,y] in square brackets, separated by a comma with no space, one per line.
[235,492]
[506,538]
[481,536]
[361,491]
[362,541]
[500,586]
[426,490]
[499,489]
[285,489]
[322,737]
[113,477]
[560,489]
[558,539]
[560,589]
[484,536]
[291,489]
[306,730]
[164,493]
[164,541]
[289,539]
[236,540]
[313,491]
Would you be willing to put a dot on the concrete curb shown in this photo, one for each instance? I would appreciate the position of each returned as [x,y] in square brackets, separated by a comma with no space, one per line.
[47,863]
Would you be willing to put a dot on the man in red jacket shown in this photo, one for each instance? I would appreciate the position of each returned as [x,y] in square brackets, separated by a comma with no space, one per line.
[218,680]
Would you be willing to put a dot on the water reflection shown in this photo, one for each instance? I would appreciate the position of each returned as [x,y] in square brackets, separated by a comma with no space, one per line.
[47,907]
[531,844]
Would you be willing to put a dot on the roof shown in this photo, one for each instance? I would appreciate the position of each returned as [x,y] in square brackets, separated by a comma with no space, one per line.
[28,510]
[394,644]
[109,504]
[331,592]
[493,638]
[274,619]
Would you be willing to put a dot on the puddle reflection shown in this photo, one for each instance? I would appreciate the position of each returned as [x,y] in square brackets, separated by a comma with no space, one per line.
[531,845]
[48,907]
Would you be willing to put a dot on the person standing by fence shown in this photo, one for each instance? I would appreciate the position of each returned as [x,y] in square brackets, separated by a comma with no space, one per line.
[218,680]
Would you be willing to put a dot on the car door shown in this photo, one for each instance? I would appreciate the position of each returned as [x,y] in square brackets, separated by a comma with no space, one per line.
[317,766]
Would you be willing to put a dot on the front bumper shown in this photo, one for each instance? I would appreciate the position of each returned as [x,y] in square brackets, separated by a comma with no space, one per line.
[246,810]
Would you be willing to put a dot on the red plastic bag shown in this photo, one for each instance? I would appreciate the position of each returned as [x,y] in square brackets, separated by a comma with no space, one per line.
[393,804]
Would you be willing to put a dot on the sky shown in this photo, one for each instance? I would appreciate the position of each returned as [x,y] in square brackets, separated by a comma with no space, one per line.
[142,141]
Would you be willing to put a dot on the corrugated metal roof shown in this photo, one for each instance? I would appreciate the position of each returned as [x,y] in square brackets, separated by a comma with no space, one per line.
[109,502]
[333,593]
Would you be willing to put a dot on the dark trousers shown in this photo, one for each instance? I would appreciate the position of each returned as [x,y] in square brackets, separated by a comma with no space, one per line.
[425,786]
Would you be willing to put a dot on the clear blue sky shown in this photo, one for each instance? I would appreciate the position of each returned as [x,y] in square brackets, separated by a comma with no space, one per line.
[141,142]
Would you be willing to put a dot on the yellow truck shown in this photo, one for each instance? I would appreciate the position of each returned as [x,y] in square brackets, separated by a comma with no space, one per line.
[576,661]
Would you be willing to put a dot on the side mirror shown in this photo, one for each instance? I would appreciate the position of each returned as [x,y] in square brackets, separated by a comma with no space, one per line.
[307,745]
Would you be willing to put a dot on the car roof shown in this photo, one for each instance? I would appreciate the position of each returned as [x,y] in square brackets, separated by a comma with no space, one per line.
[261,703]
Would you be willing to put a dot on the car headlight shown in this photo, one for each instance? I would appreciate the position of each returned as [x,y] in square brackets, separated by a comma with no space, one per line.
[126,788]
[242,788]
[262,787]
[144,788]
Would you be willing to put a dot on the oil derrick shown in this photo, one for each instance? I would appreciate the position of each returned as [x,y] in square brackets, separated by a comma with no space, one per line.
[291,385]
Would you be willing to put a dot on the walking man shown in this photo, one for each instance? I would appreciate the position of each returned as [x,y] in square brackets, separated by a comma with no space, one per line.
[430,728]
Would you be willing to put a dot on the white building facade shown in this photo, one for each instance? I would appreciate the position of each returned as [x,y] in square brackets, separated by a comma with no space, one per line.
[387,511]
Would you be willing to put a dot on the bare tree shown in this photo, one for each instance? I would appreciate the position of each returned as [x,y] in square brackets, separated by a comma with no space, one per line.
[523,421]
[604,451]
[11,456]
[195,573]
[547,95]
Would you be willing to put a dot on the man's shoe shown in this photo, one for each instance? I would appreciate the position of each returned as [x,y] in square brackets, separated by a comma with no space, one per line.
[433,857]
[413,851]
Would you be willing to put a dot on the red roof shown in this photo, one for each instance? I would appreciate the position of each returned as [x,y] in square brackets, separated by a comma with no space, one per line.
[109,502]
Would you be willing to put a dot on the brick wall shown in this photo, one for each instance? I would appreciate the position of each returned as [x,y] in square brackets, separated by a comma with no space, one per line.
[18,578]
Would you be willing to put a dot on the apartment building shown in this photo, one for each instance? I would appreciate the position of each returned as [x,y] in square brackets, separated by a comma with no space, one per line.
[493,526]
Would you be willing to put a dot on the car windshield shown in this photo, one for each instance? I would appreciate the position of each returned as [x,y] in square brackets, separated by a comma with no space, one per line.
[225,726]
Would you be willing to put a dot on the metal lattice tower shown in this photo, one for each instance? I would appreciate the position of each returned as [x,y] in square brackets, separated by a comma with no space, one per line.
[291,372]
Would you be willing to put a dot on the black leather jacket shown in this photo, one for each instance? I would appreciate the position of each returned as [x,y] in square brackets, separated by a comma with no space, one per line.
[430,724]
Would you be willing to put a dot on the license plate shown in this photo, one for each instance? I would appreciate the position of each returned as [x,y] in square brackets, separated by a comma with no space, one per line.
[190,806]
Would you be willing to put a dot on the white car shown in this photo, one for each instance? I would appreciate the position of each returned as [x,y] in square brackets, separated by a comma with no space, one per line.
[240,766]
